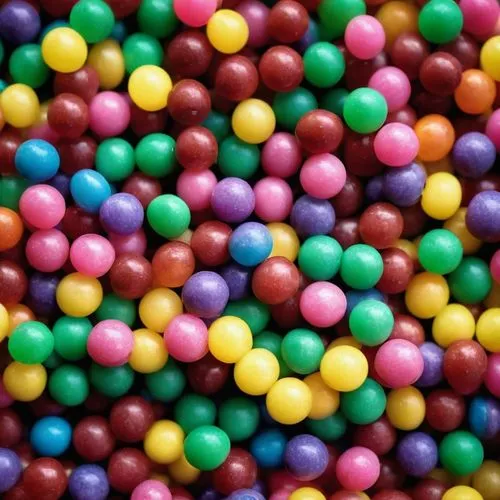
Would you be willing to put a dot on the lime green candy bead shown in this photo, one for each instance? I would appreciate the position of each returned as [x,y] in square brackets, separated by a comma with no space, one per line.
[320,257]
[93,19]
[440,251]
[155,155]
[70,337]
[26,65]
[254,313]
[207,447]
[470,282]
[302,350]
[11,189]
[157,18]
[31,343]
[112,381]
[115,159]
[336,14]
[371,322]
[289,107]
[114,307]
[68,385]
[328,429]
[365,110]
[194,410]
[168,215]
[166,384]
[440,21]
[324,64]
[238,158]
[140,49]
[239,418]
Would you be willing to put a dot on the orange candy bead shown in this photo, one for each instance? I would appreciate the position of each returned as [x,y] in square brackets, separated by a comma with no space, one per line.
[11,228]
[436,136]
[476,93]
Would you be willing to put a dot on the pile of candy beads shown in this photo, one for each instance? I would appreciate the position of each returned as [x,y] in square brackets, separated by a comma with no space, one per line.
[249,249]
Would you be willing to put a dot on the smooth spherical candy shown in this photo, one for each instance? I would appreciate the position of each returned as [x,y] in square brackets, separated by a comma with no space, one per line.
[194,13]
[482,216]
[186,338]
[289,401]
[417,453]
[253,121]
[158,307]
[273,199]
[238,471]
[92,255]
[189,102]
[325,400]
[487,328]
[93,439]
[256,372]
[455,447]
[344,368]
[233,200]
[467,97]
[396,145]
[122,214]
[11,469]
[485,480]
[168,215]
[130,276]
[436,137]
[427,294]
[39,153]
[380,225]
[306,457]
[89,190]
[237,77]
[393,84]
[227,31]
[64,50]
[110,343]
[268,448]
[24,382]
[149,353]
[48,250]
[127,468]
[109,114]
[239,417]
[51,436]
[440,21]
[20,105]
[302,350]
[155,155]
[79,295]
[320,257]
[489,57]
[281,68]
[68,385]
[441,186]
[316,57]
[149,87]
[365,110]
[454,322]
[130,418]
[405,408]
[311,216]
[151,489]
[440,73]
[440,251]
[198,443]
[473,155]
[358,468]
[470,269]
[364,37]
[462,493]
[172,264]
[31,343]
[323,304]
[19,22]
[12,225]
[229,339]
[371,322]
[322,176]
[163,442]
[250,244]
[281,156]
[361,266]
[45,477]
[484,414]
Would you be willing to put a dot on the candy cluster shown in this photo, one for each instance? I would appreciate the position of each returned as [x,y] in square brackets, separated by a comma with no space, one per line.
[249,249]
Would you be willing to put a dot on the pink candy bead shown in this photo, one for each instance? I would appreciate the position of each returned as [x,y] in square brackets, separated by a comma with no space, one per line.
[396,145]
[42,206]
[129,243]
[47,250]
[255,14]
[281,155]
[110,343]
[480,16]
[195,188]
[195,13]
[358,469]
[492,377]
[323,304]
[322,176]
[92,255]
[399,363]
[186,338]
[109,114]
[364,37]
[495,266]
[273,199]
[151,490]
[5,398]
[393,84]
[493,128]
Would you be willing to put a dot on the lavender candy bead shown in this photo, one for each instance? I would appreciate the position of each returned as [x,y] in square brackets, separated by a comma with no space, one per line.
[433,357]
[233,200]
[417,453]
[121,213]
[88,482]
[306,457]
[311,36]
[246,495]
[484,417]
[259,486]
[483,216]
[238,279]
[19,22]
[205,294]
[374,190]
[473,155]
[403,186]
[10,469]
[42,292]
[312,216]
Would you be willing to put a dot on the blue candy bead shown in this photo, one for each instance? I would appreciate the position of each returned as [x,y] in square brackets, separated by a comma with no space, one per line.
[268,448]
[37,160]
[89,190]
[484,417]
[250,244]
[51,436]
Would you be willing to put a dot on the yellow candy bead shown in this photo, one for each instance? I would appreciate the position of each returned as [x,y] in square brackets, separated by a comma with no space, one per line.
[397,17]
[325,401]
[347,340]
[149,87]
[487,480]
[24,382]
[158,308]
[149,353]
[289,401]
[4,322]
[408,247]
[107,59]
[488,329]
[18,313]
[490,57]
[253,121]
[456,224]
[256,372]
[64,50]
[227,31]
[454,322]
[182,472]
[229,339]
[164,442]
[286,243]
[344,368]
[307,494]
[20,105]
[426,295]
[405,408]
[78,295]
[462,493]
[441,196]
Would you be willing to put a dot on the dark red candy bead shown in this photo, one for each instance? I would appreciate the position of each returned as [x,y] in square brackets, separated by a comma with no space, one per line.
[398,271]
[391,476]
[310,5]
[123,8]
[208,375]
[46,406]
[350,198]
[319,131]
[282,479]
[143,187]
[465,49]
[77,154]
[10,140]
[130,418]
[380,225]
[281,68]
[406,115]
[57,8]
[287,314]
[45,479]
[429,489]
[408,328]
[288,21]
[408,52]
[346,232]
[189,102]
[131,276]
[414,220]
[147,122]
[180,493]
[236,78]
[76,222]
[196,148]
[426,103]
[359,155]
[13,283]
[328,480]
[173,263]
[11,428]
[83,83]
[189,54]
[440,73]
[358,72]
[17,493]
[239,471]
[97,402]
[93,439]
[379,436]
[391,495]
[210,243]
[445,410]
[127,468]
[68,115]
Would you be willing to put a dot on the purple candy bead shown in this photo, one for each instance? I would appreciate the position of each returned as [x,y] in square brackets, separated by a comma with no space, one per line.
[10,469]
[210,494]
[483,216]
[205,294]
[433,357]
[42,291]
[238,280]
[233,200]
[88,482]
[417,453]
[403,186]
[306,457]
[473,155]
[19,22]
[121,213]
[312,216]
[311,36]
[246,495]
[374,190]
[60,181]
[259,486]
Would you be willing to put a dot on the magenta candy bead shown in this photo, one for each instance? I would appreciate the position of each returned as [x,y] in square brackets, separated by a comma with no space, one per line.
[273,199]
[256,14]
[195,187]
[281,155]
[393,84]
[92,255]
[493,129]
[45,132]
[110,343]
[109,114]
[195,13]
[480,16]
[129,243]
[492,377]
[47,250]
[323,304]
[186,338]
[322,176]
[358,469]
[364,37]
[42,206]
[399,363]
[495,266]
[396,145]
[5,398]
[151,490]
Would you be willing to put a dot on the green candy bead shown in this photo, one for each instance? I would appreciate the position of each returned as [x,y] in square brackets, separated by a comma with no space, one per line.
[68,385]
[207,447]
[471,281]
[365,404]
[371,322]
[272,342]
[253,312]
[140,49]
[112,381]
[169,215]
[289,107]
[440,21]
[157,18]
[440,251]
[461,453]
[31,343]
[320,257]
[3,85]
[194,410]
[324,64]
[166,384]
[302,350]
[53,361]
[155,155]
[93,19]
[328,429]
[11,189]
[361,266]
[114,307]
[26,65]
[365,110]
[336,14]
[70,337]
[218,123]
[334,100]
[115,159]
[238,158]
[239,418]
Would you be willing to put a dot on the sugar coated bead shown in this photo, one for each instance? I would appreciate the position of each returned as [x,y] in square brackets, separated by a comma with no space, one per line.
[454,322]
[364,37]
[417,453]
[202,439]
[151,489]
[455,446]
[489,57]
[273,199]
[365,110]
[322,176]
[427,294]
[256,372]
[205,294]
[436,137]
[47,250]
[440,187]
[92,255]
[11,469]
[75,286]
[323,304]
[149,87]
[462,493]
[482,216]
[110,343]
[396,145]
[250,244]
[393,84]
[109,114]
[406,408]
[24,382]
[163,442]
[156,300]
[486,328]
[51,436]
[358,468]
[186,338]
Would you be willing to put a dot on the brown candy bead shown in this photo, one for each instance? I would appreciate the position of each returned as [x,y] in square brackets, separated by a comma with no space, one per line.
[380,225]
[131,276]
[45,479]
[426,103]
[281,68]
[93,439]
[189,54]
[465,49]
[359,155]
[405,115]
[143,187]
[444,410]
[77,154]
[83,83]
[123,8]
[172,264]
[130,418]
[408,52]
[196,148]
[189,102]
[127,468]
[288,21]
[13,283]
[379,436]
[236,78]
[76,222]
[239,471]
[350,198]
[287,314]
[398,271]
[391,475]
[440,73]
[210,243]
[414,220]
[319,131]
[429,489]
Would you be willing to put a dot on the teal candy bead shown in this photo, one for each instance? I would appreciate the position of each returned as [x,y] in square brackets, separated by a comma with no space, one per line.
[238,158]
[324,65]
[11,189]
[302,350]
[114,307]
[440,251]
[461,453]
[68,385]
[371,322]
[365,110]
[194,410]
[320,257]
[254,313]
[328,429]
[365,404]
[239,418]
[112,381]
[166,384]
[157,18]
[334,100]
[470,282]
[361,266]
[115,159]
[289,107]
[26,65]
[218,123]
[207,447]
[336,14]
[155,155]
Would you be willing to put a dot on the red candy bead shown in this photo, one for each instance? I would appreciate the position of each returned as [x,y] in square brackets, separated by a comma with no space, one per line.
[346,232]
[238,471]
[123,8]
[11,428]
[379,436]
[445,410]
[196,148]
[10,140]
[380,225]
[77,154]
[281,68]
[287,314]
[350,199]
[131,276]
[210,243]
[359,155]
[408,328]
[76,222]
[93,439]
[127,468]
[429,489]
[144,188]
[208,375]
[130,418]
[319,131]
[45,479]
[189,102]
[288,21]
[398,271]
[408,52]
[440,73]
[68,115]
[236,78]
[83,83]
[13,283]
[172,264]
[147,122]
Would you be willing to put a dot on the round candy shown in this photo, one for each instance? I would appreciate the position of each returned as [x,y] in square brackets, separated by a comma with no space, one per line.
[51,436]
[365,110]
[427,294]
[253,121]
[306,457]
[440,251]
[205,438]
[323,304]
[344,368]
[417,453]
[163,442]
[151,489]
[227,31]
[149,87]
[256,372]
[79,295]
[39,153]
[289,401]
[457,445]
[358,468]
[364,37]
[396,145]
[322,176]
[229,339]
[31,343]
[371,322]
[205,294]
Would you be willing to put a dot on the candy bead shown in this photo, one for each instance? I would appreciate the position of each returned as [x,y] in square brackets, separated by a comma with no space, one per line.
[149,87]
[363,462]
[64,50]
[390,138]
[457,445]
[365,110]
[163,442]
[289,401]
[227,31]
[11,469]
[86,288]
[364,37]
[206,437]
[253,121]
[341,361]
